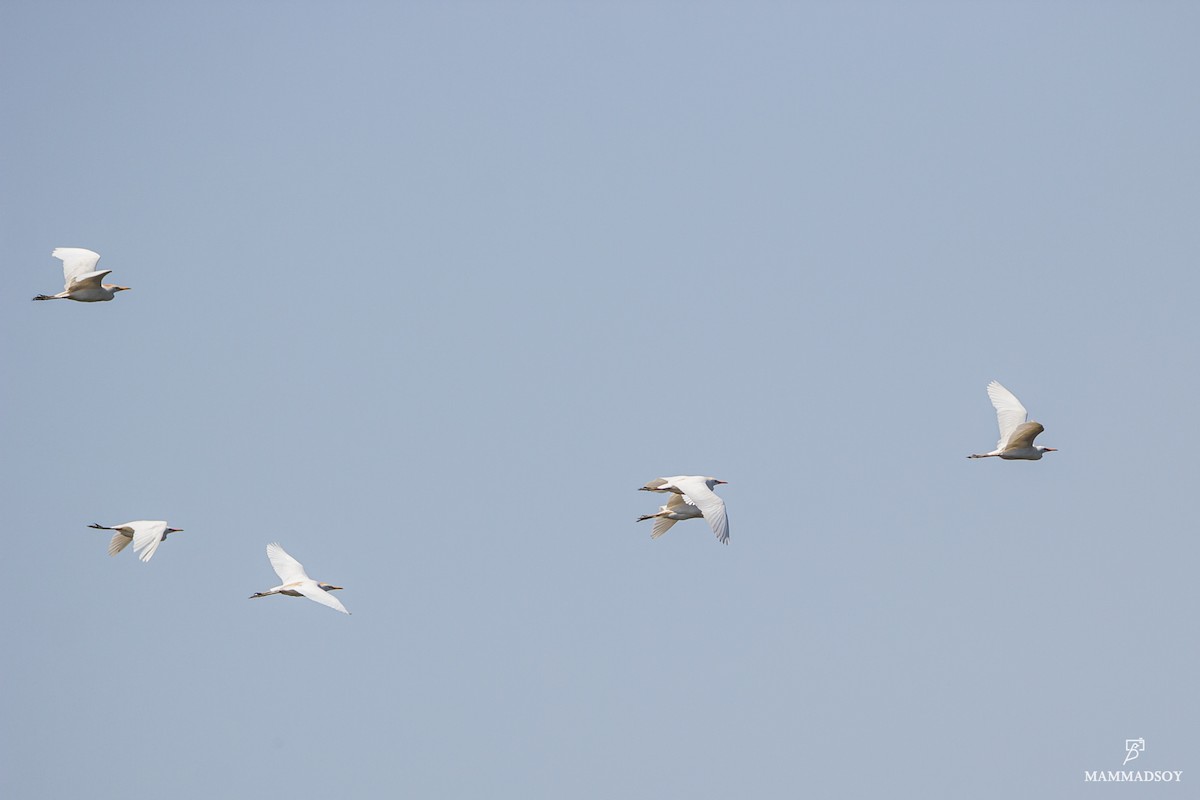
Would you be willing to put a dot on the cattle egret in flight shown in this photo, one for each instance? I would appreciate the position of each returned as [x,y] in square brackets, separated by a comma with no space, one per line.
[695,499]
[677,508]
[1016,435]
[82,280]
[296,582]
[145,535]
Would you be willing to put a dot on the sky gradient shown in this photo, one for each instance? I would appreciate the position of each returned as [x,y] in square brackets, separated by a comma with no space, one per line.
[425,291]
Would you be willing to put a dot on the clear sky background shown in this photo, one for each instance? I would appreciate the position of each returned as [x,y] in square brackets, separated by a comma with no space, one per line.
[425,291]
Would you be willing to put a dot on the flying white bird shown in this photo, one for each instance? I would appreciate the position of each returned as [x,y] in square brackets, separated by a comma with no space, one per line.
[296,582]
[695,498]
[1016,435]
[82,279]
[678,508]
[145,534]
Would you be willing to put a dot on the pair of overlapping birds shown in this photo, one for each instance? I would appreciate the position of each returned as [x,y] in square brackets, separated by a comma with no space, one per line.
[691,496]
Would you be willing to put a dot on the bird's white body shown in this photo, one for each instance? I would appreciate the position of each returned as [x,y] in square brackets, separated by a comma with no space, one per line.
[145,534]
[295,581]
[1016,432]
[694,498]
[82,281]
[678,508]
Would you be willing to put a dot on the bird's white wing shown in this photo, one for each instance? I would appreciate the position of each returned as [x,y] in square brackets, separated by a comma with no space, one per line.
[88,280]
[76,261]
[1009,412]
[677,500]
[678,504]
[147,535]
[118,542]
[710,505]
[314,592]
[287,568]
[661,526]
[1024,435]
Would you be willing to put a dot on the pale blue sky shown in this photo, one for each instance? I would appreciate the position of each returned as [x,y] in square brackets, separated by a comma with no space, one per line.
[425,291]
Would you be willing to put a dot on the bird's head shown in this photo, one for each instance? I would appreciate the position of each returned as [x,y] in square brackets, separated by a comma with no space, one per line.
[711,482]
[169,531]
[121,288]
[1047,449]
[329,587]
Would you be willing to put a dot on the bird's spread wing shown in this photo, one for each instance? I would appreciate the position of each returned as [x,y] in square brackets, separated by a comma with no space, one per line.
[118,543]
[287,568]
[314,592]
[661,526]
[678,500]
[147,535]
[1024,435]
[88,280]
[76,261]
[710,505]
[677,504]
[1009,412]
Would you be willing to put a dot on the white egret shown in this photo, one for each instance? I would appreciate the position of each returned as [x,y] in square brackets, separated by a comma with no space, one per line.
[146,535]
[82,281]
[678,507]
[1016,434]
[296,582]
[696,491]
